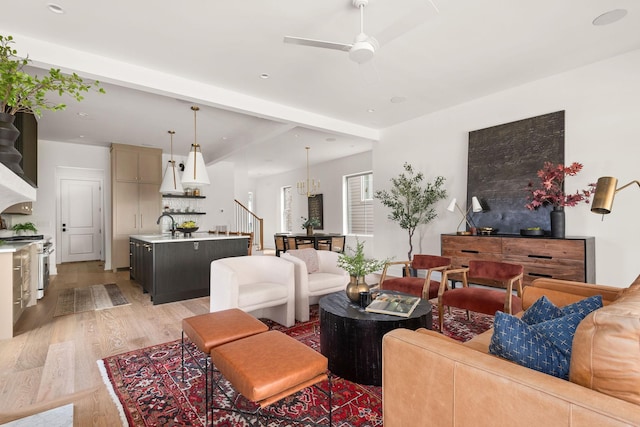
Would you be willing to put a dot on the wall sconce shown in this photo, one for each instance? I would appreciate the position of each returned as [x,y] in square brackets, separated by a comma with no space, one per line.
[475,206]
[605,192]
[195,171]
[170,183]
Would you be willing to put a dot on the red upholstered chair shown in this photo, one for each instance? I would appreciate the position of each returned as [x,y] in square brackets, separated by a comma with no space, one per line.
[480,299]
[421,287]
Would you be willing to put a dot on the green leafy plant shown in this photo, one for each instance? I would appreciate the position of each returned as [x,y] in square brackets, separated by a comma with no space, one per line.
[411,201]
[356,264]
[311,222]
[22,92]
[24,226]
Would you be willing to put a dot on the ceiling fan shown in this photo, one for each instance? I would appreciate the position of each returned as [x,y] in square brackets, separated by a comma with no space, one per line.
[364,46]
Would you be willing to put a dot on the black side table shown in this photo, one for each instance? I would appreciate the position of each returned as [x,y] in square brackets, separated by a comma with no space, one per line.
[351,338]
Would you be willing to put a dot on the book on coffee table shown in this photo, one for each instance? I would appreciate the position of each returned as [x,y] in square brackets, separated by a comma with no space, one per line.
[394,304]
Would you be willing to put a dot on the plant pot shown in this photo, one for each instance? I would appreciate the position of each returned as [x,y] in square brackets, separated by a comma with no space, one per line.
[557,222]
[9,156]
[355,286]
[309,230]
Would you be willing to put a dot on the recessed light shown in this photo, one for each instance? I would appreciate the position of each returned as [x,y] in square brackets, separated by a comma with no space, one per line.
[398,99]
[83,114]
[81,136]
[224,138]
[371,110]
[55,8]
[264,76]
[610,17]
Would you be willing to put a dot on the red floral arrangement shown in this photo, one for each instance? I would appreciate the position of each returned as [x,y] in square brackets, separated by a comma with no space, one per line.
[551,192]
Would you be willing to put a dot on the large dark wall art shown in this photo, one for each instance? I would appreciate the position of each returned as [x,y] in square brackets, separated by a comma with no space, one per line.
[503,159]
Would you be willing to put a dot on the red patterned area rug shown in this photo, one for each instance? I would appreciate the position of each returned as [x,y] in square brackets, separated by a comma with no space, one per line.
[149,388]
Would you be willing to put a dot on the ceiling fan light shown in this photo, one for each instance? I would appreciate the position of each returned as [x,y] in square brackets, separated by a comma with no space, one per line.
[361,52]
[195,172]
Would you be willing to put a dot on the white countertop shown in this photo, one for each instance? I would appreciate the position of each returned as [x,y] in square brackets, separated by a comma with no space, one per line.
[179,237]
[9,247]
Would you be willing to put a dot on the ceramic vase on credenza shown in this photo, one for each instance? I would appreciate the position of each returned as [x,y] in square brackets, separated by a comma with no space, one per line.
[557,222]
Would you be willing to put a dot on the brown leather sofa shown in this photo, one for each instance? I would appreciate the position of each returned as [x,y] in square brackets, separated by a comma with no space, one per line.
[432,380]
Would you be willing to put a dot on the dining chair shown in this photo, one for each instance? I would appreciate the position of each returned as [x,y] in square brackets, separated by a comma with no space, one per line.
[324,243]
[303,242]
[281,243]
[337,243]
[482,299]
[426,287]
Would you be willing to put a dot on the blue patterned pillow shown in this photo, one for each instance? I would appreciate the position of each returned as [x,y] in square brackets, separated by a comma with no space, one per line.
[543,309]
[540,311]
[545,347]
[584,306]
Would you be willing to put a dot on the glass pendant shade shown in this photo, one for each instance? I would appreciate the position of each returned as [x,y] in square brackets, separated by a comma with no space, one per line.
[195,172]
[171,182]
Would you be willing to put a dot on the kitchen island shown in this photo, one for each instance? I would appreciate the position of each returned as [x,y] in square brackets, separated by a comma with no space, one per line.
[175,268]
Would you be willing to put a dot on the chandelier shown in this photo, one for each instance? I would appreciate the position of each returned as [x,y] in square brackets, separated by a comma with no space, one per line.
[310,187]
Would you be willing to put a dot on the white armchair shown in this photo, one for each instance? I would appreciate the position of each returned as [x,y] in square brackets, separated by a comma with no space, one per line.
[310,287]
[260,285]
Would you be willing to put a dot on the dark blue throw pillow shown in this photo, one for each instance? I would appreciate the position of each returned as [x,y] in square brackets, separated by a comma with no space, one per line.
[543,338]
[516,341]
[543,309]
[545,347]
[584,306]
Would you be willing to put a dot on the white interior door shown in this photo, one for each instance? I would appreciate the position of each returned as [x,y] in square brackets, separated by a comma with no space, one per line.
[80,220]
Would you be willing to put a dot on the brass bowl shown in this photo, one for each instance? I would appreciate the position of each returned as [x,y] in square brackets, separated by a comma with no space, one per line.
[486,230]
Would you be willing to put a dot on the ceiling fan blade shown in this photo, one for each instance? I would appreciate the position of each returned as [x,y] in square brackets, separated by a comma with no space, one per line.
[317,43]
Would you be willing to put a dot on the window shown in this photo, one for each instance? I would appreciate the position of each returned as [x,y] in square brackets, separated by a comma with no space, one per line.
[286,224]
[359,197]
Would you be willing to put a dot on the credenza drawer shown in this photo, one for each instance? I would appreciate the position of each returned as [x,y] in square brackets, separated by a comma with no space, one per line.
[565,259]
[544,249]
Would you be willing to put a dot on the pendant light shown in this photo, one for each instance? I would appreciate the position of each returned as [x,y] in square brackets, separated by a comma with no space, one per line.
[195,172]
[171,183]
[308,187]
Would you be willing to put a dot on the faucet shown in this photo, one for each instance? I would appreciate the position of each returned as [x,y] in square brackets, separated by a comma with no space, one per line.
[173,223]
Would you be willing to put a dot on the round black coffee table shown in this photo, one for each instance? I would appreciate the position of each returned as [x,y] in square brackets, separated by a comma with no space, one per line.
[351,338]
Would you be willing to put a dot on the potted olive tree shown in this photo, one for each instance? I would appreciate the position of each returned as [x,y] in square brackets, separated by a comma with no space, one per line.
[411,201]
[22,92]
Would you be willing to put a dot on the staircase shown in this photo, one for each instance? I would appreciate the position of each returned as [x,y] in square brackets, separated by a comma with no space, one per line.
[248,222]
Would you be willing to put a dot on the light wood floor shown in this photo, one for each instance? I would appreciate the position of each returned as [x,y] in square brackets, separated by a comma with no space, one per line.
[52,361]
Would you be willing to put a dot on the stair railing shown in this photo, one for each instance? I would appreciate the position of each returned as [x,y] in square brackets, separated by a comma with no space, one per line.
[248,222]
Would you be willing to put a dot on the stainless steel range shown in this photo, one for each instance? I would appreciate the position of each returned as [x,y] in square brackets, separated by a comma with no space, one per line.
[44,250]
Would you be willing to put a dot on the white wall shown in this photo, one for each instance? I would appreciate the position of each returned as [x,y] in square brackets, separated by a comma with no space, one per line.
[330,174]
[601,131]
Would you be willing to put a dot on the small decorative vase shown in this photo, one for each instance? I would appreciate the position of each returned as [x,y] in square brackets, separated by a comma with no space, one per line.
[9,156]
[557,222]
[309,230]
[355,286]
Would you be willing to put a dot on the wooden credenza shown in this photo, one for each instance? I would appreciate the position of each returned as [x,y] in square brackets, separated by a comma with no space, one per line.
[572,258]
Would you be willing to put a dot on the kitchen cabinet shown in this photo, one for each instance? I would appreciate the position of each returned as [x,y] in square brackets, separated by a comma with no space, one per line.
[136,175]
[18,283]
[572,258]
[174,269]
